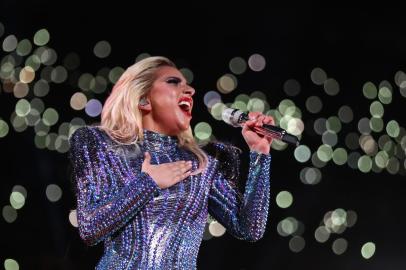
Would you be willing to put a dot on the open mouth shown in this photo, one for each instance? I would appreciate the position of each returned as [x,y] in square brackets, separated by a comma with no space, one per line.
[186,104]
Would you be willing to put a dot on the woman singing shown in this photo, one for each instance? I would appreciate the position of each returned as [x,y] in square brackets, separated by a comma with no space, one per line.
[145,188]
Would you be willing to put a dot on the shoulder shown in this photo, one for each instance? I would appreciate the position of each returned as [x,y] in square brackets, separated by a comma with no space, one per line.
[87,134]
[221,150]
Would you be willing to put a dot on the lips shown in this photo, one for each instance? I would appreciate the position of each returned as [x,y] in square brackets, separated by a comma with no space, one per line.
[186,104]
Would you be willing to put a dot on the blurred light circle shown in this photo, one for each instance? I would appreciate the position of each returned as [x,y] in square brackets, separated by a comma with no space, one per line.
[278,145]
[255,105]
[41,88]
[53,192]
[217,110]
[295,126]
[188,74]
[216,229]
[320,126]
[368,250]
[321,234]
[9,214]
[363,126]
[203,131]
[302,153]
[393,165]
[256,62]
[237,65]
[324,152]
[33,61]
[318,76]
[115,74]
[353,158]
[381,159]
[93,107]
[329,138]
[317,162]
[227,83]
[364,164]
[62,144]
[41,37]
[10,264]
[291,87]
[4,128]
[369,90]
[10,43]
[17,200]
[333,124]
[368,144]
[23,108]
[73,219]
[27,74]
[239,105]
[284,199]
[376,109]
[78,101]
[20,90]
[376,124]
[50,117]
[340,156]
[211,98]
[284,105]
[84,81]
[392,128]
[59,74]
[98,84]
[331,87]
[297,243]
[340,246]
[24,47]
[314,104]
[48,56]
[345,114]
[310,176]
[102,49]
[385,95]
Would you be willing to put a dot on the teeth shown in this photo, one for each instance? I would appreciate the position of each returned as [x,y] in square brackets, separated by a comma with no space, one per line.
[184,103]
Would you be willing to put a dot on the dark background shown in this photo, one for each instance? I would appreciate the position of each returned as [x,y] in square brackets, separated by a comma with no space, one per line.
[351,45]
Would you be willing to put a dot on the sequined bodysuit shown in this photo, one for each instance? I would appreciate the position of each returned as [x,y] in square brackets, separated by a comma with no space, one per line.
[145,227]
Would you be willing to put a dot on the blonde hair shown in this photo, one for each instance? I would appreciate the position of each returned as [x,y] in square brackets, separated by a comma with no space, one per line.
[122,119]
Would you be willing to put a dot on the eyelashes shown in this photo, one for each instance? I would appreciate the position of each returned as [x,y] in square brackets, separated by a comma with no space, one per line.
[173,80]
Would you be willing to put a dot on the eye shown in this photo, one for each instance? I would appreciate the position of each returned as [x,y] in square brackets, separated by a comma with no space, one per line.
[173,80]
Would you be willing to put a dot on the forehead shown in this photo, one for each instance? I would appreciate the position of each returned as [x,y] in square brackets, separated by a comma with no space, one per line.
[168,71]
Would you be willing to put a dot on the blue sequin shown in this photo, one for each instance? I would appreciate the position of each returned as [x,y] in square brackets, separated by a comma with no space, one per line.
[145,227]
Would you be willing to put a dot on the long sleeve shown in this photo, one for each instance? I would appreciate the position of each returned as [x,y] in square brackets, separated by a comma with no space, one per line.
[244,216]
[104,203]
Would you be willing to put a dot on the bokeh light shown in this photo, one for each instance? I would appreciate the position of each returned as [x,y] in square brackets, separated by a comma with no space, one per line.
[302,153]
[216,229]
[339,246]
[292,87]
[227,83]
[284,199]
[53,192]
[4,128]
[297,243]
[314,104]
[11,264]
[331,87]
[41,37]
[368,250]
[203,131]
[102,49]
[237,65]
[369,90]
[73,219]
[256,62]
[318,76]
[9,214]
[93,107]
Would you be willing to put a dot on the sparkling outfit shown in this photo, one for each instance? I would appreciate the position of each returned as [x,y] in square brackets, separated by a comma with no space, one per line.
[145,227]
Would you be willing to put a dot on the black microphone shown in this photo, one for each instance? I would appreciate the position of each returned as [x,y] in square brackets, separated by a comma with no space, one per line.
[237,118]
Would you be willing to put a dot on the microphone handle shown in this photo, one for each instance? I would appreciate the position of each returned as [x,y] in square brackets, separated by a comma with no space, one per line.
[277,133]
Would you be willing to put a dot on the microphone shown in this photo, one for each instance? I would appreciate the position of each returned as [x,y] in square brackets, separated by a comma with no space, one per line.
[237,118]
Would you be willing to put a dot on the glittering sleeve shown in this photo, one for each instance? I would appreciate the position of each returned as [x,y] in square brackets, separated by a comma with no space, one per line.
[102,208]
[243,215]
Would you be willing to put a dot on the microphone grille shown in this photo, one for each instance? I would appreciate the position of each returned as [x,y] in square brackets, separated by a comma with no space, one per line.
[231,116]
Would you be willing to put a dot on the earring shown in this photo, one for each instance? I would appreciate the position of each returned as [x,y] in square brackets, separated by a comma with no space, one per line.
[143,101]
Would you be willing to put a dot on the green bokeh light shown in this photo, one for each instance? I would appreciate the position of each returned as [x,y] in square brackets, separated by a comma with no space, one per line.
[50,117]
[10,264]
[324,152]
[392,128]
[385,95]
[369,90]
[115,74]
[333,124]
[368,250]
[302,153]
[23,107]
[318,76]
[376,124]
[364,163]
[4,128]
[203,131]
[238,65]
[284,199]
[331,87]
[41,37]
[381,159]
[340,156]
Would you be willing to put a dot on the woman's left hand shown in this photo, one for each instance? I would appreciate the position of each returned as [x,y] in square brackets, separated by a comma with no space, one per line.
[256,142]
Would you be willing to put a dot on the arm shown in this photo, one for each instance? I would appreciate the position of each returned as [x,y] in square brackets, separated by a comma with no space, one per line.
[244,216]
[102,206]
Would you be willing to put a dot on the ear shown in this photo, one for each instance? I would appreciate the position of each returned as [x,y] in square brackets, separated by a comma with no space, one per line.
[144,105]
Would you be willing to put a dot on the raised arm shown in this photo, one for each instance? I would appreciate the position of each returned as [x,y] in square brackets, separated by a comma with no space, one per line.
[244,216]
[104,203]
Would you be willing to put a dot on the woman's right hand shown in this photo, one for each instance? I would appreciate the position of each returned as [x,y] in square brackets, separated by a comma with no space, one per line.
[166,174]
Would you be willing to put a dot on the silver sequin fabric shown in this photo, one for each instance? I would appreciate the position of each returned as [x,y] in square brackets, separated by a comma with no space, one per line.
[145,227]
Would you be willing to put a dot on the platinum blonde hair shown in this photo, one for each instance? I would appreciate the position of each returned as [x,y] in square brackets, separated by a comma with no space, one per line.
[122,119]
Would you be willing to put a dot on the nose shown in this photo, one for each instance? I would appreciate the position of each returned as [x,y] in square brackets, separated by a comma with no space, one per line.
[189,90]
